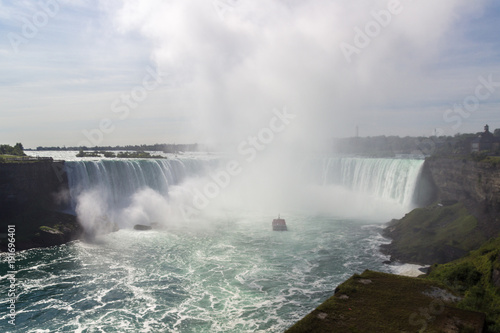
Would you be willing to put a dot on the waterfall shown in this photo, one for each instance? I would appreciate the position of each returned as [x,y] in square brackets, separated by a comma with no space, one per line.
[130,192]
[384,178]
[126,192]
[118,180]
[121,178]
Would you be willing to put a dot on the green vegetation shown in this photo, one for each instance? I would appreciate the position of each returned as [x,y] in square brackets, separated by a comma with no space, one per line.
[477,278]
[17,150]
[164,147]
[387,146]
[49,229]
[380,302]
[137,154]
[485,158]
[8,152]
[434,234]
[82,153]
[126,154]
[109,154]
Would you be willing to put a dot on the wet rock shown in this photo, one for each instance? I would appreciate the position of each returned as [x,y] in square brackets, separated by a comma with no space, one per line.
[49,237]
[142,227]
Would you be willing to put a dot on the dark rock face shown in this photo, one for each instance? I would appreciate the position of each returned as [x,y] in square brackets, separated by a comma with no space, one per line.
[444,231]
[476,184]
[30,196]
[30,184]
[426,191]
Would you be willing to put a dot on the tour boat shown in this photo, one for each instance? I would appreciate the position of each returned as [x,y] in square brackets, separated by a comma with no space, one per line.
[279,224]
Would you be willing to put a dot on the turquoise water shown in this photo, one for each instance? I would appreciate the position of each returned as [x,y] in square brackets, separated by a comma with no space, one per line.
[230,274]
[220,269]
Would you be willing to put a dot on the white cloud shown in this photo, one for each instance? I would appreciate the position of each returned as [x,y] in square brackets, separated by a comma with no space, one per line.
[249,56]
[228,63]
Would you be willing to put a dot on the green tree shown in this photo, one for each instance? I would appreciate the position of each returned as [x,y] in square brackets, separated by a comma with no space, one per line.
[18,149]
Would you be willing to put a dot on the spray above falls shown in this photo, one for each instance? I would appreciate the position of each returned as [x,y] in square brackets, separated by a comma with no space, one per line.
[130,192]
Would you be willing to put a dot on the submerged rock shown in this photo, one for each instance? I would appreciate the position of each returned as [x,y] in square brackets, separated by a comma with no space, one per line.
[47,236]
[142,227]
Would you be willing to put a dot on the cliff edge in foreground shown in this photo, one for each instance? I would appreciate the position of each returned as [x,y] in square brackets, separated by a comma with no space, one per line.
[379,302]
[31,195]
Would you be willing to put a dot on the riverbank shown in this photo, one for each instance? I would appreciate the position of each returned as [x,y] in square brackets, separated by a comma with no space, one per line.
[380,302]
[459,296]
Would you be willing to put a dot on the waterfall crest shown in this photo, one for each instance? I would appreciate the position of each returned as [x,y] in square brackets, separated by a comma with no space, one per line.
[384,178]
[147,191]
[120,179]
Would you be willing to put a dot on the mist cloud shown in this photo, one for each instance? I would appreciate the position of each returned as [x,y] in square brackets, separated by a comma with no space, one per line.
[241,59]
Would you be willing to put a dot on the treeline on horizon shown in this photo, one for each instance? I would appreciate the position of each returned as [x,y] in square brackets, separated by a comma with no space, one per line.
[16,150]
[376,146]
[389,146]
[163,147]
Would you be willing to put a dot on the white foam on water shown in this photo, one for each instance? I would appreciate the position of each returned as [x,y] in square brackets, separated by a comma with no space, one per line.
[223,270]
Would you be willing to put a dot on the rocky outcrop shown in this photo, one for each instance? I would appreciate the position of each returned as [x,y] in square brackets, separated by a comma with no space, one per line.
[465,179]
[475,184]
[433,234]
[31,195]
[464,213]
[142,227]
[380,302]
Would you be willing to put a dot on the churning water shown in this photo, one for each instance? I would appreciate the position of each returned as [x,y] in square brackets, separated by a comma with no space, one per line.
[220,272]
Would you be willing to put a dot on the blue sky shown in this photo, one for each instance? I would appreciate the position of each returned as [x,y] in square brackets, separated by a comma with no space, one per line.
[226,64]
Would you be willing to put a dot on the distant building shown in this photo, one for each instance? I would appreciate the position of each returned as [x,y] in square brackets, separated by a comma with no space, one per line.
[486,141]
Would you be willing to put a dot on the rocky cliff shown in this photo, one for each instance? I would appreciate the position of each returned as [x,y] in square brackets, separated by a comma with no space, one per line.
[463,215]
[31,196]
[31,183]
[476,184]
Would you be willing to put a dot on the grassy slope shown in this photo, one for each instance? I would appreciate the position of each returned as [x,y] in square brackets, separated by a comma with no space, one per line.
[390,303]
[11,159]
[435,234]
[472,277]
